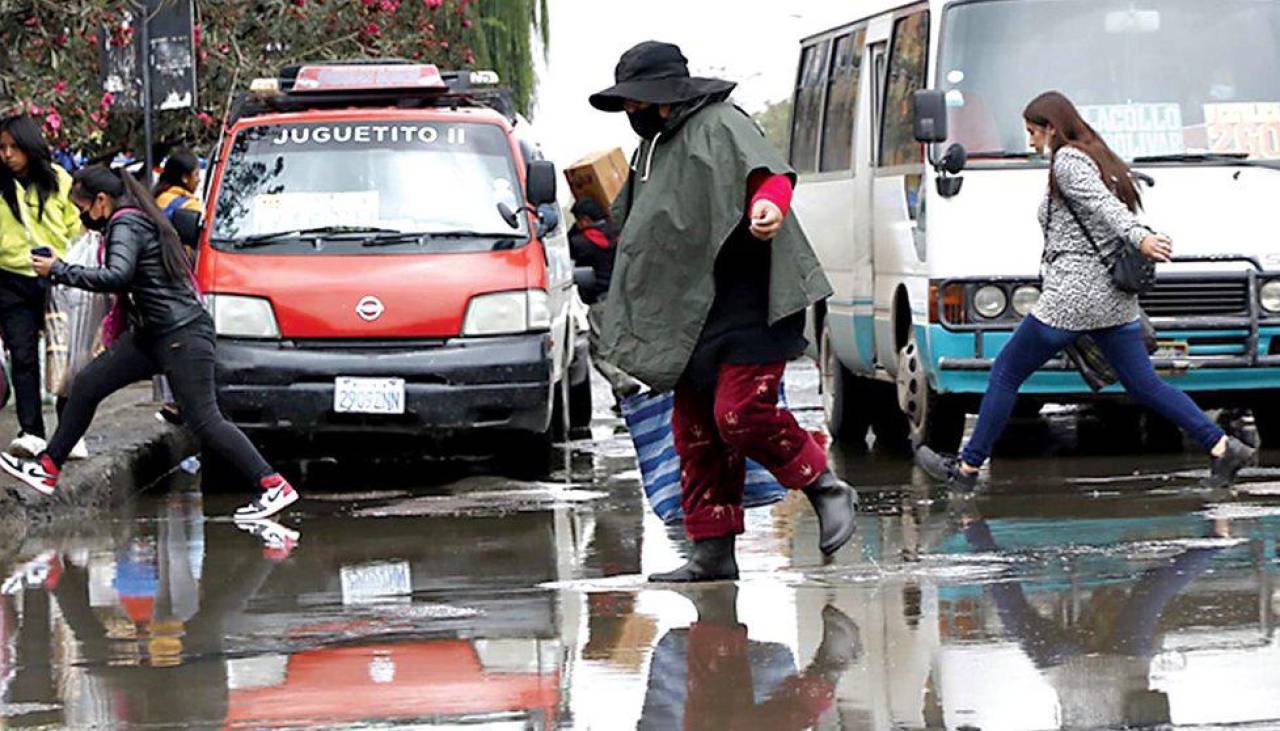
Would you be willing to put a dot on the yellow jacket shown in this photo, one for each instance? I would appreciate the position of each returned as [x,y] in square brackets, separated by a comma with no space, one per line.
[60,224]
[166,197]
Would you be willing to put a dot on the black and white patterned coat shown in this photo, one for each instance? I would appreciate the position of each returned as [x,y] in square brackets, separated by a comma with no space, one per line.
[1078,292]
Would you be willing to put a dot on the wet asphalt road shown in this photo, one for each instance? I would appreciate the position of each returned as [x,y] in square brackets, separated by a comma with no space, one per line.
[1089,589]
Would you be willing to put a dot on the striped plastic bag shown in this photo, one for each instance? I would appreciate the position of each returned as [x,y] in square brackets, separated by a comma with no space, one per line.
[648,418]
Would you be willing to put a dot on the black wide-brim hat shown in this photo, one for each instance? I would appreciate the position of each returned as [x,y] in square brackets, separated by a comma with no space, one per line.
[657,73]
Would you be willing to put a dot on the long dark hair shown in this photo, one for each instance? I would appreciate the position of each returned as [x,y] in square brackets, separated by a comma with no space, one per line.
[1052,109]
[126,192]
[181,163]
[28,137]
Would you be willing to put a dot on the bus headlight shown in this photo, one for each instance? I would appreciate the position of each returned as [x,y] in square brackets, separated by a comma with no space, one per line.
[1025,298]
[990,301]
[1269,296]
[236,316]
[507,313]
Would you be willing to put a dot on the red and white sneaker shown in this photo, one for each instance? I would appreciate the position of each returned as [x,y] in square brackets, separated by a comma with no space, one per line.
[277,494]
[41,474]
[277,541]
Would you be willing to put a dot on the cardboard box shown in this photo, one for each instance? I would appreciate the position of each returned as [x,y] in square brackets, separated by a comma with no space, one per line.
[599,175]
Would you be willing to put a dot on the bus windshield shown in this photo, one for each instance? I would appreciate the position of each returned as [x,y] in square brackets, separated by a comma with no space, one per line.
[1157,78]
[395,179]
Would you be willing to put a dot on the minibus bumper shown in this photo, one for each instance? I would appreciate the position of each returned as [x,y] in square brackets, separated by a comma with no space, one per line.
[1229,369]
[452,387]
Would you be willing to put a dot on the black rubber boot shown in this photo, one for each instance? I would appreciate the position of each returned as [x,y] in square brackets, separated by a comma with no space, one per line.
[712,560]
[834,502]
[841,644]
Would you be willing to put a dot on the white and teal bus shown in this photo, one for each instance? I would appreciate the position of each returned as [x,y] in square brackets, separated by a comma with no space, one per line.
[935,260]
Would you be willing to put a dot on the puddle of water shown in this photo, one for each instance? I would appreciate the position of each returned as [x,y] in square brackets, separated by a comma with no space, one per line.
[495,604]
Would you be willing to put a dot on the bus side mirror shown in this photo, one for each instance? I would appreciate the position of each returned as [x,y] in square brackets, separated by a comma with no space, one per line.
[929,109]
[540,183]
[189,226]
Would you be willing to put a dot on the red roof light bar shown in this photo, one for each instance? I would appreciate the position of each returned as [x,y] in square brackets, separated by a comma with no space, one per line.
[369,77]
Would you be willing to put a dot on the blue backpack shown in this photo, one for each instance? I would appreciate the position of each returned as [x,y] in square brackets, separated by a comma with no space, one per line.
[175,205]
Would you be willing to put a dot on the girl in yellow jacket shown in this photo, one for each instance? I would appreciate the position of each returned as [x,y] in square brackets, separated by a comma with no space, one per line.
[35,213]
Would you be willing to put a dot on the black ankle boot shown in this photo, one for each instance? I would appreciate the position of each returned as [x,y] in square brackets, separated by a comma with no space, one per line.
[712,560]
[834,502]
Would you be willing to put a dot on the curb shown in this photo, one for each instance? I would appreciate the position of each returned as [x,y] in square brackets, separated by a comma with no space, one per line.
[132,452]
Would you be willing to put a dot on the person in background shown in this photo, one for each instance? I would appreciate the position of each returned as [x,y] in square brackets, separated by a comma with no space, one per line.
[593,244]
[177,186]
[37,213]
[713,281]
[170,332]
[175,191]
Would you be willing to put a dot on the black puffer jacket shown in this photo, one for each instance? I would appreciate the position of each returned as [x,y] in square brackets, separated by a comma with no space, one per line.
[135,267]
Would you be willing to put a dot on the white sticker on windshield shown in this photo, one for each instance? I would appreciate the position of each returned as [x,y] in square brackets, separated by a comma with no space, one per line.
[275,212]
[1252,128]
[1138,130]
[955,76]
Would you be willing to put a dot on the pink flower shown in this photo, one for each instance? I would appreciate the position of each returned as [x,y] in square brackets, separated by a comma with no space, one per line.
[432,4]
[372,30]
[205,118]
[389,6]
[53,121]
[107,100]
[60,87]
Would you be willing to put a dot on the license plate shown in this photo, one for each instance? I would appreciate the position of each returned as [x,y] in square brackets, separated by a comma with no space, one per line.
[368,395]
[375,582]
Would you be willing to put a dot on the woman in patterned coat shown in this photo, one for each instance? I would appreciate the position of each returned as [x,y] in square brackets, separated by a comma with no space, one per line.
[1089,182]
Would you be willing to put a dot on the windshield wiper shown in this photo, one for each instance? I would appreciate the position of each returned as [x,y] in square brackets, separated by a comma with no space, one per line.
[277,237]
[1003,155]
[1240,159]
[421,237]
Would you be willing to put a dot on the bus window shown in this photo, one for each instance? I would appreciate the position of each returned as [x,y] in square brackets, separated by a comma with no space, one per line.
[806,118]
[908,65]
[842,96]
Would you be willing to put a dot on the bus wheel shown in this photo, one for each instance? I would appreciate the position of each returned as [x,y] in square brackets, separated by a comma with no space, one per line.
[932,419]
[846,412]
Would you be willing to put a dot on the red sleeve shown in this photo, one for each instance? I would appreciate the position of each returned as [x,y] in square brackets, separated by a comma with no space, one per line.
[776,189]
[597,237]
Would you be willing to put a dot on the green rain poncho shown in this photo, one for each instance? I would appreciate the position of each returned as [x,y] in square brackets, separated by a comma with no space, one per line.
[687,197]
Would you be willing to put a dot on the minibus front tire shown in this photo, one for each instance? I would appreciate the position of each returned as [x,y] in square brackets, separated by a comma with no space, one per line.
[933,419]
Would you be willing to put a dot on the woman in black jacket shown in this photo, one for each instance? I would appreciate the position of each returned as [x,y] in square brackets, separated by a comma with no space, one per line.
[169,332]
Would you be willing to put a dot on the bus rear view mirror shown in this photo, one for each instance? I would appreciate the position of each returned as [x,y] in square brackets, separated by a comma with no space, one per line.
[540,183]
[929,107]
[954,159]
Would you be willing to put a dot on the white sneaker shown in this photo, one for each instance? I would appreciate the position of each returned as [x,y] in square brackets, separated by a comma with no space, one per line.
[276,495]
[27,446]
[80,451]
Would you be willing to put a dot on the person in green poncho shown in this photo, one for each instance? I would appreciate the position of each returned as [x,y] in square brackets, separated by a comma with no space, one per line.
[709,291]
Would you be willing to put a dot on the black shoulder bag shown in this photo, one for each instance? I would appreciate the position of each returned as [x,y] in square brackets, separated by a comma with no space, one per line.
[1131,272]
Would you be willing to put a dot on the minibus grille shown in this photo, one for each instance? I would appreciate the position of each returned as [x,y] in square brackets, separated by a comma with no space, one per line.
[1197,298]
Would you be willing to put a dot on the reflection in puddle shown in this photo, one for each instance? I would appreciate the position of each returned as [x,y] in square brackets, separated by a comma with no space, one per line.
[512,605]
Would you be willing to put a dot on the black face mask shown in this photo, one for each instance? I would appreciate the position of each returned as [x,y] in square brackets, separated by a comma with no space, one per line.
[91,223]
[647,122]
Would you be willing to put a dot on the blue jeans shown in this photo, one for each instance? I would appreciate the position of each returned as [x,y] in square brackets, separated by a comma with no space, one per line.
[1034,343]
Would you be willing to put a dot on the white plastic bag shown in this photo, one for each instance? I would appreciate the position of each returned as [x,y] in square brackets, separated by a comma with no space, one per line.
[74,320]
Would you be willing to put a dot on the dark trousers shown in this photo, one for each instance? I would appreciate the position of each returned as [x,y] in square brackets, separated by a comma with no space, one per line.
[22,303]
[715,432]
[186,356]
[1034,343]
